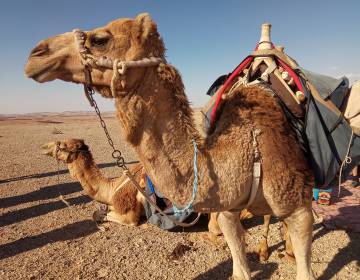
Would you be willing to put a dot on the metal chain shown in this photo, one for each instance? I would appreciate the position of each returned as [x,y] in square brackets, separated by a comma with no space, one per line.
[116,154]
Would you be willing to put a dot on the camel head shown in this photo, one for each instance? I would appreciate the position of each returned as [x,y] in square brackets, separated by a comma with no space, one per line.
[58,57]
[66,151]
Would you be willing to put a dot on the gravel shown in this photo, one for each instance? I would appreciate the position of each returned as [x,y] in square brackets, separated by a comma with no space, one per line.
[43,238]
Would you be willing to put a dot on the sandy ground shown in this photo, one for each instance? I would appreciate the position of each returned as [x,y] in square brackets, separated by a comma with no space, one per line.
[42,238]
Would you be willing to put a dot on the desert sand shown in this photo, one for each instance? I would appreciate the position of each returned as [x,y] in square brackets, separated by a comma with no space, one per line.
[43,238]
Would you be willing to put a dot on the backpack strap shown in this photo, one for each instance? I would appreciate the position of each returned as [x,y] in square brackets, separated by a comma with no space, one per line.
[152,203]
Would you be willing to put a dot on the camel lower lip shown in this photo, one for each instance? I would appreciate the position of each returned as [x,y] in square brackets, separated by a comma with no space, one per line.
[41,75]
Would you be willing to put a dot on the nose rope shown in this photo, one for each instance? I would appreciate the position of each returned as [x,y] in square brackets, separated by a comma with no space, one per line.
[115,77]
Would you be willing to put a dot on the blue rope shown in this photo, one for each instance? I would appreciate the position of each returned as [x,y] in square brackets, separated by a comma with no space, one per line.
[189,206]
[150,184]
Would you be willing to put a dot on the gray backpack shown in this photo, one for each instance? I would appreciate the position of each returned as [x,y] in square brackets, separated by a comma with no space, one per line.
[158,219]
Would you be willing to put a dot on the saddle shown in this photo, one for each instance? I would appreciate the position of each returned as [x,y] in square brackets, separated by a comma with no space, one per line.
[319,108]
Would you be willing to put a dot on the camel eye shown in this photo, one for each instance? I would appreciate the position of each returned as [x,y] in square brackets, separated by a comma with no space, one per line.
[99,40]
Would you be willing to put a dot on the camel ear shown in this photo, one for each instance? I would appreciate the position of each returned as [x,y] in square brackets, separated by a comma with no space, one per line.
[80,144]
[84,147]
[148,26]
[74,145]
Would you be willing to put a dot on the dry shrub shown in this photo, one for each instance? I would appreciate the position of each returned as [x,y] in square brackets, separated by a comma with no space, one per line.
[56,131]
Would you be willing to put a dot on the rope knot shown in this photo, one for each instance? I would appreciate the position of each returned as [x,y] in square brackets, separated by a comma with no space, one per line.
[121,67]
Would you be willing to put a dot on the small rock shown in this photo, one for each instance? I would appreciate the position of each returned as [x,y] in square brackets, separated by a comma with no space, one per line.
[179,251]
[102,272]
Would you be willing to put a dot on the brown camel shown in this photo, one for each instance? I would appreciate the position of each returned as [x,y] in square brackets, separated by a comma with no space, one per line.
[156,119]
[125,203]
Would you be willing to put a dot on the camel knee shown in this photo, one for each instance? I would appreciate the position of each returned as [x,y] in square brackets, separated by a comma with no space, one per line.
[300,222]
[213,225]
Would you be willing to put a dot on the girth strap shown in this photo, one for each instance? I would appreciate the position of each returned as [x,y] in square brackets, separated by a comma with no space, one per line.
[255,183]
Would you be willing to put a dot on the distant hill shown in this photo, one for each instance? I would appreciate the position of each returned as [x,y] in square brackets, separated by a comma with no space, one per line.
[51,114]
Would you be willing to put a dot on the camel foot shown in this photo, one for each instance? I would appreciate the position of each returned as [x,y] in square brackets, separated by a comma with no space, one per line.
[263,250]
[245,214]
[99,216]
[212,239]
[263,255]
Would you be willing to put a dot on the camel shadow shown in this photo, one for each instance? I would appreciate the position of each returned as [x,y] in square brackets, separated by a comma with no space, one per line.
[68,232]
[47,192]
[34,176]
[53,173]
[345,255]
[224,270]
[221,271]
[12,217]
[202,225]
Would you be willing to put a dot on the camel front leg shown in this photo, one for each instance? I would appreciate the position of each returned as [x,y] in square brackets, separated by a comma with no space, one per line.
[288,246]
[263,249]
[131,218]
[234,235]
[299,225]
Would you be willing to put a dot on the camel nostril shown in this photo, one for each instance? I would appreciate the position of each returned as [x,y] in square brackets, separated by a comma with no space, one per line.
[40,50]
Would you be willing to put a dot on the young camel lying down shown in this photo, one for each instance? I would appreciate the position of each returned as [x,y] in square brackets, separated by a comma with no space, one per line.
[125,203]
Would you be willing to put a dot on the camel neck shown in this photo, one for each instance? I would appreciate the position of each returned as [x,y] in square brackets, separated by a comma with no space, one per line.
[157,120]
[84,169]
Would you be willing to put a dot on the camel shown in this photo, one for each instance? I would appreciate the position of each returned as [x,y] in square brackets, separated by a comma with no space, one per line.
[124,202]
[156,119]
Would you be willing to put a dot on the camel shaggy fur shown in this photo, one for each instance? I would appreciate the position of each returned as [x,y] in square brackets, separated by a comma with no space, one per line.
[156,119]
[124,202]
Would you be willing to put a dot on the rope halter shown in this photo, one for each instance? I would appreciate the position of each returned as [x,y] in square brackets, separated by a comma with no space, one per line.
[118,66]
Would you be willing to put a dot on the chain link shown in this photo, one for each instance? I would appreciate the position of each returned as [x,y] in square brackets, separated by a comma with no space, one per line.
[116,154]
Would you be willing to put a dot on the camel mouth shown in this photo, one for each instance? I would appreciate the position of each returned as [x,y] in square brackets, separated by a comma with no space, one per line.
[47,149]
[41,74]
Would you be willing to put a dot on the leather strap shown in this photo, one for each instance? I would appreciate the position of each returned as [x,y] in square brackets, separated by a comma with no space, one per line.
[255,183]
[274,52]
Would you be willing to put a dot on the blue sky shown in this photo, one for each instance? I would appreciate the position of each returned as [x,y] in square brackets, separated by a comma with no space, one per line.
[204,39]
